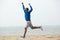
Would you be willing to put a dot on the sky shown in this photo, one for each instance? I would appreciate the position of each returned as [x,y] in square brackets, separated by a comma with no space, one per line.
[45,12]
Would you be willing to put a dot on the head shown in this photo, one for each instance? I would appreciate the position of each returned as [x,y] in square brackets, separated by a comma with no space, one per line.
[26,9]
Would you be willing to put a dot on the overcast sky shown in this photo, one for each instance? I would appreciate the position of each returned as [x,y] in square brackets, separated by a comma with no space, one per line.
[45,12]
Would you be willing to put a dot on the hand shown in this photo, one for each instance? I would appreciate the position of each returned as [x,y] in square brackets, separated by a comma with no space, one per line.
[29,4]
[22,3]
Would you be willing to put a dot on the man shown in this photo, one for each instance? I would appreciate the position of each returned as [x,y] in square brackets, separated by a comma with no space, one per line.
[28,20]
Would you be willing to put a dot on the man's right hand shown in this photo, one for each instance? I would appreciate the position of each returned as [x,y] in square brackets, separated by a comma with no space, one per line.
[22,3]
[29,4]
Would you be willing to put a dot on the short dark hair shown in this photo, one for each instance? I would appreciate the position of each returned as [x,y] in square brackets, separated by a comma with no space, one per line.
[26,9]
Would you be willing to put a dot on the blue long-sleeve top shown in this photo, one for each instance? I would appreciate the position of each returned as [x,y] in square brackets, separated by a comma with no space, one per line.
[27,13]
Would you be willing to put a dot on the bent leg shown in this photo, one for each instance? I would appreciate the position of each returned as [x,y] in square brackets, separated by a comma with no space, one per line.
[36,27]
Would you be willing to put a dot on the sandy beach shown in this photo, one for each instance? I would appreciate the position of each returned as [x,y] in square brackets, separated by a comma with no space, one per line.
[31,37]
[15,33]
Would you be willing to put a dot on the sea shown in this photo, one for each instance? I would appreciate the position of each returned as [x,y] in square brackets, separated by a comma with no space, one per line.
[19,30]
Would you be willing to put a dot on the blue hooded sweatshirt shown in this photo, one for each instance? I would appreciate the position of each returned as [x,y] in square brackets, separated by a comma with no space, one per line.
[27,13]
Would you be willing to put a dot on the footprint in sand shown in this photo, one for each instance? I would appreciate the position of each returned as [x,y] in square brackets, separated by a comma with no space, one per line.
[50,37]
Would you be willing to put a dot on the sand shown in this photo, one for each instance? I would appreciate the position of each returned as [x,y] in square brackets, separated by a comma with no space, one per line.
[31,37]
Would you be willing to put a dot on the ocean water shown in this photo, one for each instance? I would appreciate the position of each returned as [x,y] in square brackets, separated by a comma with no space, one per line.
[19,30]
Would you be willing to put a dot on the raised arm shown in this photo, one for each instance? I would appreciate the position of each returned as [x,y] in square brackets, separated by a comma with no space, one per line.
[30,8]
[23,5]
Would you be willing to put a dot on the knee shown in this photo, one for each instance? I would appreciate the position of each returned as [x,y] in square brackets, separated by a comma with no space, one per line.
[25,28]
[31,27]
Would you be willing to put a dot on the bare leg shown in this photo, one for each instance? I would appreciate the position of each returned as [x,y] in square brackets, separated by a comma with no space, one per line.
[25,32]
[35,27]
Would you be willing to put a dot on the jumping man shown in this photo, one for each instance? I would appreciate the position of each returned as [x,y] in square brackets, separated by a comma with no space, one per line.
[28,20]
